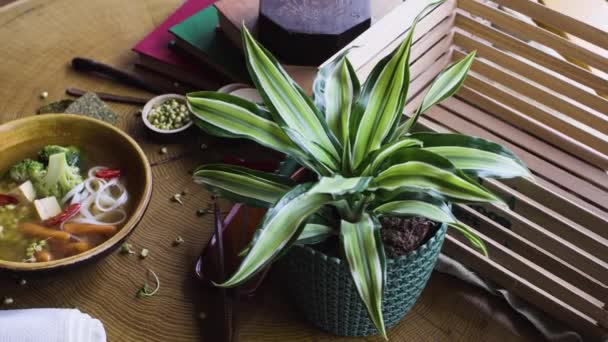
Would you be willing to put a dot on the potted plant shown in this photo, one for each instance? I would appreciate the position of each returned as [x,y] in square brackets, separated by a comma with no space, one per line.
[367,165]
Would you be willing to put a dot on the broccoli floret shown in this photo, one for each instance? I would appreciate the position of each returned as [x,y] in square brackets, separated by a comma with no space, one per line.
[59,178]
[72,154]
[26,170]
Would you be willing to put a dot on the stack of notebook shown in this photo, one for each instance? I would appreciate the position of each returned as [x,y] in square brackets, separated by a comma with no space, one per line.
[191,48]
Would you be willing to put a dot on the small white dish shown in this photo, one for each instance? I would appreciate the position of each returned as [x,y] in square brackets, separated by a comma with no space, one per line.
[157,101]
[229,88]
[243,91]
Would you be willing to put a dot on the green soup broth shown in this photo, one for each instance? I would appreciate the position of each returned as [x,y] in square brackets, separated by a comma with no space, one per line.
[13,243]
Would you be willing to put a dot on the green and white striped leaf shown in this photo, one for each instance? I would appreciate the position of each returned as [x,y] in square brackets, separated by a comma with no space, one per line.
[379,157]
[416,208]
[475,156]
[315,233]
[420,176]
[447,83]
[347,166]
[481,163]
[335,88]
[243,185]
[432,208]
[381,102]
[318,158]
[402,155]
[338,185]
[216,131]
[367,263]
[289,105]
[240,118]
[340,93]
[474,240]
[212,130]
[280,228]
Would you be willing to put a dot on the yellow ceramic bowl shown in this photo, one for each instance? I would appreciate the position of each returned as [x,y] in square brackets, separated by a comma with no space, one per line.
[100,143]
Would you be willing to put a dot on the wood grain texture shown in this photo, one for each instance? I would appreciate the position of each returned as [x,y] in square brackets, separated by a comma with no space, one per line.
[41,38]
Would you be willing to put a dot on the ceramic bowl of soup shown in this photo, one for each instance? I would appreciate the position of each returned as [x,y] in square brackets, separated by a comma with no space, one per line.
[72,189]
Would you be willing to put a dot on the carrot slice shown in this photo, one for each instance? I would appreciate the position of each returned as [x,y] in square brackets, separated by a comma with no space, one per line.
[78,247]
[41,232]
[84,228]
[43,256]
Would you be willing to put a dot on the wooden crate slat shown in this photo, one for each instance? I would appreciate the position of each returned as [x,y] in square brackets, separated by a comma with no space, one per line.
[429,71]
[590,118]
[558,199]
[558,20]
[524,227]
[535,233]
[561,201]
[592,220]
[550,239]
[570,295]
[430,56]
[394,26]
[557,223]
[429,32]
[531,251]
[533,73]
[555,198]
[511,24]
[529,142]
[523,49]
[537,212]
[595,141]
[547,217]
[521,287]
[543,132]
[540,167]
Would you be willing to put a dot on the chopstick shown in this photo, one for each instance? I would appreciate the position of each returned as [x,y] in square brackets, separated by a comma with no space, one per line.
[226,305]
[91,66]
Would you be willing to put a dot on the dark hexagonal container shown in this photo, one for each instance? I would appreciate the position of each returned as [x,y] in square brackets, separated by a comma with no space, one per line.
[308,32]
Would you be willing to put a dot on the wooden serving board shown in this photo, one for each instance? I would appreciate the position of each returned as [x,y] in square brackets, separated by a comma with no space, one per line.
[39,39]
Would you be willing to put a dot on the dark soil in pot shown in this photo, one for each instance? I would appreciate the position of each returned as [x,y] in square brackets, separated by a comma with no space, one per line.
[320,286]
[402,235]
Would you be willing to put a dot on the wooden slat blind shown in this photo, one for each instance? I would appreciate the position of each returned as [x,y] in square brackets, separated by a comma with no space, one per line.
[550,246]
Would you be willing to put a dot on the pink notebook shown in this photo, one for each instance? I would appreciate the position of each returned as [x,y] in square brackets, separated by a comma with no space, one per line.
[156,44]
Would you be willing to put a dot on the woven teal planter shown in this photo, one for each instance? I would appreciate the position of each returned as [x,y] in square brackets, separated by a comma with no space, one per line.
[323,291]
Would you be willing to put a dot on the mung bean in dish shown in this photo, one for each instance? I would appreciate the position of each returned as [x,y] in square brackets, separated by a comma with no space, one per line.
[169,115]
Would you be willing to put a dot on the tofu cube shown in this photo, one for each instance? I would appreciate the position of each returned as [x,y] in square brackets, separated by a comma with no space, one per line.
[25,192]
[47,207]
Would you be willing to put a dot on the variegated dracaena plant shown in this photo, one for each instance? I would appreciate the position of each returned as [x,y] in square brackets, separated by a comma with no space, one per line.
[367,162]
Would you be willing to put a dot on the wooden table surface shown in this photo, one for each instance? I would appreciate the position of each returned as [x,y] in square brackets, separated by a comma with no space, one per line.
[39,39]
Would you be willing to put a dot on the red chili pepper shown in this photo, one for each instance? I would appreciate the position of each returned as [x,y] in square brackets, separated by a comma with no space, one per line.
[107,173]
[67,214]
[8,199]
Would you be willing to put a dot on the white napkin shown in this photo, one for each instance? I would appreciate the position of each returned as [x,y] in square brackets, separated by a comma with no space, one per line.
[49,325]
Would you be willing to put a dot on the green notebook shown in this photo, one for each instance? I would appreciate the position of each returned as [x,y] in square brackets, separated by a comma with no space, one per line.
[199,36]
